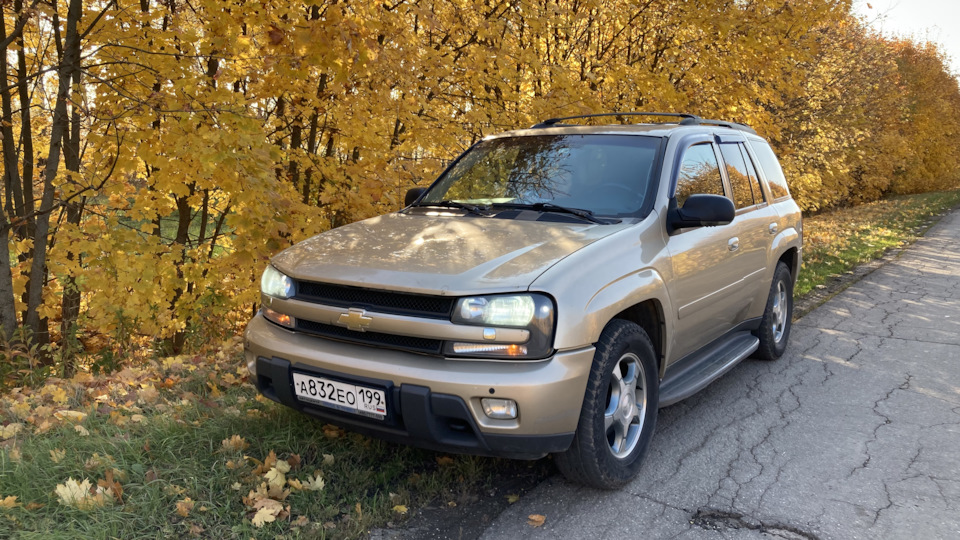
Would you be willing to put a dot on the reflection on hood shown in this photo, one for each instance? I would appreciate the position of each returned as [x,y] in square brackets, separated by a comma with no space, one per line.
[438,254]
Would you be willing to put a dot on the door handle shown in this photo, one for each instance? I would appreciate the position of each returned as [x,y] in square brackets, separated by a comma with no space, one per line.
[773,228]
[734,244]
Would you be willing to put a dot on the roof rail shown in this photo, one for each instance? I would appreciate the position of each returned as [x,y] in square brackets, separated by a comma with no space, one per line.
[685,120]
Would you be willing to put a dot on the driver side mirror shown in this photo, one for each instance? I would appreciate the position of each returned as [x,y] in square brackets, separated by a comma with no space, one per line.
[412,195]
[700,210]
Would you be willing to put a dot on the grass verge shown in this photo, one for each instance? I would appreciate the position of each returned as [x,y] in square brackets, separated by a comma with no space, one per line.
[184,447]
[836,241]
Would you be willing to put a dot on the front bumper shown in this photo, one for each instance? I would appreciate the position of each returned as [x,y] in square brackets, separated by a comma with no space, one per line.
[432,402]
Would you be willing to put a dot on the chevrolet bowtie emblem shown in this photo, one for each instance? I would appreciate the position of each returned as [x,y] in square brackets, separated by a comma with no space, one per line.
[355,319]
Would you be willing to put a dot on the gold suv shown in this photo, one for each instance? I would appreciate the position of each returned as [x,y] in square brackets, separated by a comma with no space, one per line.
[546,294]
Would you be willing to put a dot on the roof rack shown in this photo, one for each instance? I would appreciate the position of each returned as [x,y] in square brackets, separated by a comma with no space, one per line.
[685,120]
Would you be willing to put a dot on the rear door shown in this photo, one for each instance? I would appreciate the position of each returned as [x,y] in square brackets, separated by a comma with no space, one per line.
[756,222]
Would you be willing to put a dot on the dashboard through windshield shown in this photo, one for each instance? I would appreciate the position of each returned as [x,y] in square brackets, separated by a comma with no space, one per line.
[602,174]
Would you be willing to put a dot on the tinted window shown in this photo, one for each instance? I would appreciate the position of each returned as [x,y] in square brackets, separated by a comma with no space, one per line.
[737,174]
[771,169]
[607,174]
[758,196]
[699,173]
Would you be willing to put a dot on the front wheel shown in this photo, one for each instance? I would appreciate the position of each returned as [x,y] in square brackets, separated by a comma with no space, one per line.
[619,411]
[774,328]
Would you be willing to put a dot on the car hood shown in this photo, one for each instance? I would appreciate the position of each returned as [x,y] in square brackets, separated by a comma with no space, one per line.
[438,254]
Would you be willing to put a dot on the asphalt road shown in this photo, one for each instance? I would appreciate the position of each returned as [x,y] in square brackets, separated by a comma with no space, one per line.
[854,433]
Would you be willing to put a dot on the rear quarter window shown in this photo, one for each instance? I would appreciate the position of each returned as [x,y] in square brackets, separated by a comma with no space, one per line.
[771,169]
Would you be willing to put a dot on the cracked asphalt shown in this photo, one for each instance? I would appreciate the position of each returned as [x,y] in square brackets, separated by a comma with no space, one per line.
[854,433]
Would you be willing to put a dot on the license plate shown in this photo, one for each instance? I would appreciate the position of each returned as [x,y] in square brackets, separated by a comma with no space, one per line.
[351,398]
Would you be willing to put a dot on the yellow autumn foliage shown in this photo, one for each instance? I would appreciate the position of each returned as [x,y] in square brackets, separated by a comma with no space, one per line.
[196,141]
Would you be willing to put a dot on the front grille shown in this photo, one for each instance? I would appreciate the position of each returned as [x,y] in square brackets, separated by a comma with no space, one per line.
[406,343]
[419,305]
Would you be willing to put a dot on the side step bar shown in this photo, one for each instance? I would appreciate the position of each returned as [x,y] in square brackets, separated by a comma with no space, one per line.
[694,372]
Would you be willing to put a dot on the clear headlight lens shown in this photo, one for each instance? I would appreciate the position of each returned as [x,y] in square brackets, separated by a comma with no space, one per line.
[533,312]
[275,284]
[498,310]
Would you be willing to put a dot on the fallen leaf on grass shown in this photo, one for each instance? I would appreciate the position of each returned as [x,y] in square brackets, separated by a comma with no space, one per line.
[328,460]
[234,444]
[82,495]
[9,502]
[400,509]
[185,506]
[9,430]
[267,511]
[56,455]
[443,461]
[74,416]
[512,498]
[81,430]
[537,520]
[111,486]
[314,483]
[275,478]
[301,521]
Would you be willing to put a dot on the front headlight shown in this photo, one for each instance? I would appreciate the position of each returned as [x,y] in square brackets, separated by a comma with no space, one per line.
[275,284]
[533,312]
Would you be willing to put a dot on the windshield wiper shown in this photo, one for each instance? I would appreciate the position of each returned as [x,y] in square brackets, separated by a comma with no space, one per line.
[550,207]
[473,209]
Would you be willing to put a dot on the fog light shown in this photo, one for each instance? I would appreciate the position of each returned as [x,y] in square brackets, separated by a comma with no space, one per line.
[279,318]
[499,409]
[485,348]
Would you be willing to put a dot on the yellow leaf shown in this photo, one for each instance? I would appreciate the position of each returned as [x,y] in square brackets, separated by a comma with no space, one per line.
[315,483]
[73,416]
[8,502]
[275,478]
[328,460]
[262,517]
[267,511]
[57,454]
[79,495]
[537,520]
[81,430]
[185,506]
[443,461]
[400,509]
[234,444]
[10,430]
[513,498]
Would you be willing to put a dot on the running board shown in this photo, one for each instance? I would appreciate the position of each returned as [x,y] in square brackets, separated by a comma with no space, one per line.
[694,372]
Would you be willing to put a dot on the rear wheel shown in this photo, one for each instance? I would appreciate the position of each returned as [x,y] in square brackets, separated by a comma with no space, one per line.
[774,328]
[619,411]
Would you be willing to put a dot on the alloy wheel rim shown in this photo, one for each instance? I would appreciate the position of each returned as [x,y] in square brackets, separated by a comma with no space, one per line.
[779,312]
[626,406]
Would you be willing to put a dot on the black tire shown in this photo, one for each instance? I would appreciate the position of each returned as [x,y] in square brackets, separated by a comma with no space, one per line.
[774,331]
[592,457]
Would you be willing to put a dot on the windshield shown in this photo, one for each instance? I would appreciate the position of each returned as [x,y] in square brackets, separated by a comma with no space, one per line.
[605,174]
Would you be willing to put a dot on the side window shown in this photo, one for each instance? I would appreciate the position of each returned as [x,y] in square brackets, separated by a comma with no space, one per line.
[699,173]
[752,174]
[771,169]
[738,174]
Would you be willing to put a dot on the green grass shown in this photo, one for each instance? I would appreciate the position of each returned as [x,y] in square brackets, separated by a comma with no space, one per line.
[175,452]
[839,240]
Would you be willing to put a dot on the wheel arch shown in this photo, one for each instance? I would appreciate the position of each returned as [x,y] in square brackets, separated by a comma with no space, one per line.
[648,315]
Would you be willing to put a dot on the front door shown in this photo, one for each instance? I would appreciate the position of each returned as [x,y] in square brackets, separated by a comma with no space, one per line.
[708,274]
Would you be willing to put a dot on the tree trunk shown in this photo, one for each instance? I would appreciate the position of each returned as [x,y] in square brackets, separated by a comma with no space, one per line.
[38,267]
